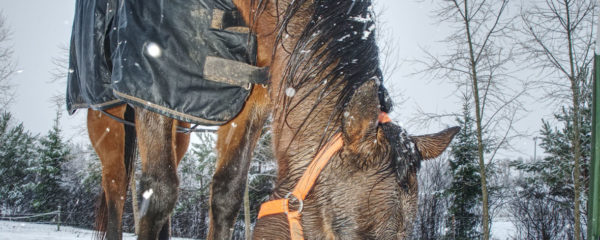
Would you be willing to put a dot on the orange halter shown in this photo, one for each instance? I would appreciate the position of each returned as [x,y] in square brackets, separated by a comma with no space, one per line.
[305,184]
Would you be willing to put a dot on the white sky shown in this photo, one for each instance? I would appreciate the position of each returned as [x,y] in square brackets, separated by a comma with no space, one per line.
[41,27]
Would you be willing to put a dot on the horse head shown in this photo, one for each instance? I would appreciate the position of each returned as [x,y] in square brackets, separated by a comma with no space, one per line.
[327,93]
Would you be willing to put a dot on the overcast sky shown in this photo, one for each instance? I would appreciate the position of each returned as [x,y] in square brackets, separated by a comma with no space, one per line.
[41,28]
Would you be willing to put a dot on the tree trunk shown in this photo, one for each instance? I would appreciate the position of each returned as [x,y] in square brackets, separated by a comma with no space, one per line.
[247,212]
[574,80]
[478,115]
[134,203]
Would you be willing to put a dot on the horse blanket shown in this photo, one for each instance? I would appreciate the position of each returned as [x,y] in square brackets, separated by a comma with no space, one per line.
[189,60]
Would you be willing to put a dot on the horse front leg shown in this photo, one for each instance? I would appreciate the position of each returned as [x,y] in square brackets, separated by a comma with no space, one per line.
[159,182]
[182,142]
[235,145]
[108,137]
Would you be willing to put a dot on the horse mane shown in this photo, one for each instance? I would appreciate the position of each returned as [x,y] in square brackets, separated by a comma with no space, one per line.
[337,49]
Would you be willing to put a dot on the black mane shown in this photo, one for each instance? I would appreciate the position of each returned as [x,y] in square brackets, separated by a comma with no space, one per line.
[338,44]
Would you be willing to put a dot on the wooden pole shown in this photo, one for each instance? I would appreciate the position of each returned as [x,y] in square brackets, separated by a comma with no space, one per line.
[247,211]
[58,220]
[594,191]
[134,203]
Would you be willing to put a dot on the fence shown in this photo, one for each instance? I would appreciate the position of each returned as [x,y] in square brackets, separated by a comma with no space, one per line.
[56,220]
[189,223]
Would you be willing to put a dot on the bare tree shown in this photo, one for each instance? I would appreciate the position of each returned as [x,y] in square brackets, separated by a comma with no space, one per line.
[477,62]
[59,72]
[7,65]
[434,179]
[537,215]
[559,42]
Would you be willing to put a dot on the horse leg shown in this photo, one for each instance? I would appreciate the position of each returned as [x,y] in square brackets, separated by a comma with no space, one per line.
[115,148]
[182,142]
[235,145]
[159,182]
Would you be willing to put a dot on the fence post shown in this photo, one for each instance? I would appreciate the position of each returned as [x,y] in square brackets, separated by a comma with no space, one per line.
[58,220]
[594,183]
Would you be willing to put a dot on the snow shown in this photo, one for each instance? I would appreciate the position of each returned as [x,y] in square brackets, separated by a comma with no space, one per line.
[148,193]
[502,230]
[153,50]
[343,38]
[33,231]
[290,92]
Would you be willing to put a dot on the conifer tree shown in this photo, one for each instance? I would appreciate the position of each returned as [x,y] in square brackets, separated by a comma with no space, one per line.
[53,152]
[16,146]
[463,214]
[550,180]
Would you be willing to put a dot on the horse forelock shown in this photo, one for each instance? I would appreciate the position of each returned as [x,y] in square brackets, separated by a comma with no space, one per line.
[335,53]
[405,158]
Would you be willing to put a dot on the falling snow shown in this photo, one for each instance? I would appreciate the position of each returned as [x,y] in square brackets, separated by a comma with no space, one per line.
[153,50]
[368,32]
[148,193]
[290,92]
[343,38]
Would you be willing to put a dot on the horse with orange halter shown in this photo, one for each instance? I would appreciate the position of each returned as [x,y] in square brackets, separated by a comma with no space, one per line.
[345,171]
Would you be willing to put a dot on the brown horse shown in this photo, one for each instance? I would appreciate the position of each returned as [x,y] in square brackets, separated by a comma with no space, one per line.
[325,80]
[325,83]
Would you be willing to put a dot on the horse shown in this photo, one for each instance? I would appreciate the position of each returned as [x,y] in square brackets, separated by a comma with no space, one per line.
[325,84]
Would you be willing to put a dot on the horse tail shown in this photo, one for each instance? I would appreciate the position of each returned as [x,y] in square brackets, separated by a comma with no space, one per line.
[129,158]
[101,216]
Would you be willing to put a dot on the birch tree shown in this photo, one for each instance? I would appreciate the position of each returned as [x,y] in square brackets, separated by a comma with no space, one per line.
[477,62]
[559,41]
[7,65]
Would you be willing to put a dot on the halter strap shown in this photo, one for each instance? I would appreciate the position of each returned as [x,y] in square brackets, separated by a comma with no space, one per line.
[384,117]
[302,188]
[306,183]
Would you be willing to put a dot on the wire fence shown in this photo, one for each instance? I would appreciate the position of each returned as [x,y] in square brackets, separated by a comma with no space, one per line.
[29,217]
[187,224]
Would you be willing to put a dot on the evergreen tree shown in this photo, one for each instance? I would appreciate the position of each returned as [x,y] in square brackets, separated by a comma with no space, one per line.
[463,214]
[16,146]
[552,176]
[81,178]
[262,174]
[261,180]
[195,172]
[53,152]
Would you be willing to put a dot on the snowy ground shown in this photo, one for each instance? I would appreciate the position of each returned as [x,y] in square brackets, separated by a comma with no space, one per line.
[32,231]
[503,230]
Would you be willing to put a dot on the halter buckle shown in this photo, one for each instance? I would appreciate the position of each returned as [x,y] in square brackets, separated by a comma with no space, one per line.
[287,196]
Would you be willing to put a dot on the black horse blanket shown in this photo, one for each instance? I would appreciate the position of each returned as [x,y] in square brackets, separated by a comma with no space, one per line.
[189,60]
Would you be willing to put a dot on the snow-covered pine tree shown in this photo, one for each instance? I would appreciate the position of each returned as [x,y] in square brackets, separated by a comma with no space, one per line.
[16,152]
[81,178]
[550,179]
[464,214]
[195,173]
[53,152]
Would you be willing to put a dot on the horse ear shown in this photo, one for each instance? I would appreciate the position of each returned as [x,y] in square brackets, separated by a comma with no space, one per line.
[432,145]
[360,116]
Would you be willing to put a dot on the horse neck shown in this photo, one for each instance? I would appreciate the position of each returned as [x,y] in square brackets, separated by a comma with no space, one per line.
[306,112]
[295,138]
[299,133]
